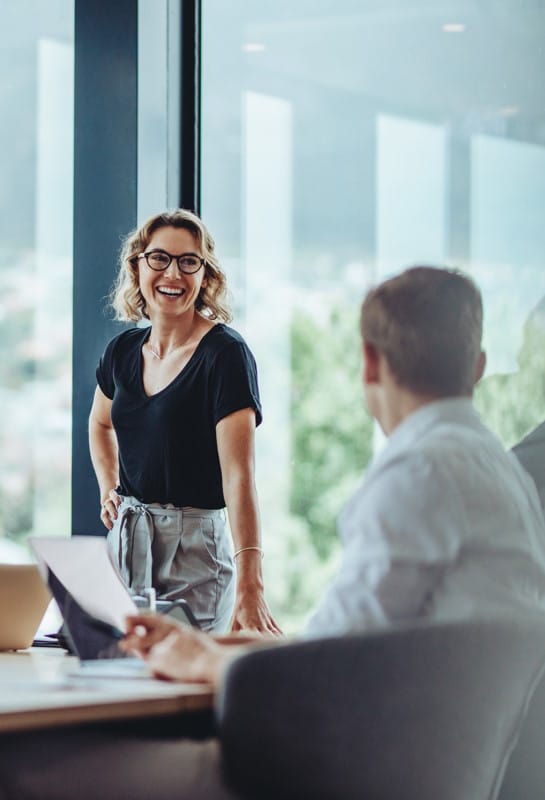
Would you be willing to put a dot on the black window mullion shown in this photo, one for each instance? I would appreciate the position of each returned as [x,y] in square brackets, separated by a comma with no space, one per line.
[105,130]
[190,105]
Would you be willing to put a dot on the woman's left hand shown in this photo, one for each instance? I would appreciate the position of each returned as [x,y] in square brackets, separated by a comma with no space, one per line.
[252,613]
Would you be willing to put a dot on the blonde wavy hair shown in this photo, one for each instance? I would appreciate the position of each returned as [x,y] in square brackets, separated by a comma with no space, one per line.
[127,299]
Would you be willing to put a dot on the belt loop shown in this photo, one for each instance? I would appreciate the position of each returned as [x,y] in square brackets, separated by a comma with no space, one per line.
[144,511]
[122,524]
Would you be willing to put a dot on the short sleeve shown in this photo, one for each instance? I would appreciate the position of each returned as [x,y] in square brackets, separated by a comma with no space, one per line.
[234,382]
[105,370]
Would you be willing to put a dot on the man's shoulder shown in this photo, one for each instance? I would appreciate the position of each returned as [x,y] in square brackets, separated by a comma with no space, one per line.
[399,476]
[419,455]
[445,459]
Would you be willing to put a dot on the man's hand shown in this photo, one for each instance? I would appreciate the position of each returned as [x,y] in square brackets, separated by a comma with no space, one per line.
[175,651]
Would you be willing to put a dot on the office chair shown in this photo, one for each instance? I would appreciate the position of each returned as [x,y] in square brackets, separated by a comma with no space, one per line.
[425,712]
[525,774]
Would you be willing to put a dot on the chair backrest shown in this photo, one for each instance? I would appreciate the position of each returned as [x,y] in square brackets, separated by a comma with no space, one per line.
[425,712]
[525,775]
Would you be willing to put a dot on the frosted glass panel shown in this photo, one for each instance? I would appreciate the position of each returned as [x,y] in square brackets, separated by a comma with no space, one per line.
[36,209]
[341,141]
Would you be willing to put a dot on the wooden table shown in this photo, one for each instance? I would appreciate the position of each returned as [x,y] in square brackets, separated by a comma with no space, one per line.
[40,688]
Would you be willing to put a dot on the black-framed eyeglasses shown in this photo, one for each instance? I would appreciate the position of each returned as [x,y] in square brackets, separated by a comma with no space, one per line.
[159,260]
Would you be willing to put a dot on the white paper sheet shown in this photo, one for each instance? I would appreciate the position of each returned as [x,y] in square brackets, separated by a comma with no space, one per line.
[84,566]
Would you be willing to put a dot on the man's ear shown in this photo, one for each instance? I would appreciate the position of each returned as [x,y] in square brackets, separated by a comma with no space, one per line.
[371,363]
[481,364]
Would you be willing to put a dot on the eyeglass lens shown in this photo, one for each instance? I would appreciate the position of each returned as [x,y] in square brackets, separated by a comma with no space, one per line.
[160,260]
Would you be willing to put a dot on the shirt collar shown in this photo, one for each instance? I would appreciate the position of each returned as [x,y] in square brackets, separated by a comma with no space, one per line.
[450,409]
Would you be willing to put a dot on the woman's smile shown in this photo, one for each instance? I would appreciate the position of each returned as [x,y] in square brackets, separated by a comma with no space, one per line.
[171,291]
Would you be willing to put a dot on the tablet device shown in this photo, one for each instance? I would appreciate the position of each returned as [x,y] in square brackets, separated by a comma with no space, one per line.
[88,633]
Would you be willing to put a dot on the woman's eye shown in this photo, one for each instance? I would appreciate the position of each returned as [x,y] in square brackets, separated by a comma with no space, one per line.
[158,258]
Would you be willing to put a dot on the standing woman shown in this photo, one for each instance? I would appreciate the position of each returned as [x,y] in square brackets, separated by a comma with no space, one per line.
[172,430]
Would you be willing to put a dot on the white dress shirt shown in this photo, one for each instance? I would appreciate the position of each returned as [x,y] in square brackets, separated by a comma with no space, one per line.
[446,524]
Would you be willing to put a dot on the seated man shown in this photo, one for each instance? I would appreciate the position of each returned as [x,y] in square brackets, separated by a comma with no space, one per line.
[445,525]
[530,451]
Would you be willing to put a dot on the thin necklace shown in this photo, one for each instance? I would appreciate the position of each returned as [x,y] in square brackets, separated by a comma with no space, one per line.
[156,355]
[159,357]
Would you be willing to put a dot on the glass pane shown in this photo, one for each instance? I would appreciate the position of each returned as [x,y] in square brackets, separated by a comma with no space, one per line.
[36,155]
[343,140]
[158,176]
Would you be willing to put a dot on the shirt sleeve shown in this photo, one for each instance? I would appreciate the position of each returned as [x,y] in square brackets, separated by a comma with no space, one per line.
[105,370]
[235,383]
[400,534]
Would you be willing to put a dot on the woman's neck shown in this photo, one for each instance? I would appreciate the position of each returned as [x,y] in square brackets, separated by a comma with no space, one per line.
[165,338]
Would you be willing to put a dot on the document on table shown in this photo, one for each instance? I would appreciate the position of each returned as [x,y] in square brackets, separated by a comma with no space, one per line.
[83,565]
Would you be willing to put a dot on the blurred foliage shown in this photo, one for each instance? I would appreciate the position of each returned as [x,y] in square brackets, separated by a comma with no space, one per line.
[295,577]
[332,441]
[513,404]
[331,430]
[16,327]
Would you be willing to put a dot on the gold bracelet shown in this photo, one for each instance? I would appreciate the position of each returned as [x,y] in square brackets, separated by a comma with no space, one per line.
[252,547]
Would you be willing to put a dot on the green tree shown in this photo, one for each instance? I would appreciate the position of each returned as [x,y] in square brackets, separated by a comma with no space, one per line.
[331,430]
[513,404]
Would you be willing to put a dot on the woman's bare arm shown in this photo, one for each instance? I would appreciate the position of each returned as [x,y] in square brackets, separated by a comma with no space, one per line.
[235,437]
[104,456]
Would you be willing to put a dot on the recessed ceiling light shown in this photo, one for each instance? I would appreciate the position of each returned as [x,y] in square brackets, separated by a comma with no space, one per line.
[509,111]
[454,27]
[253,47]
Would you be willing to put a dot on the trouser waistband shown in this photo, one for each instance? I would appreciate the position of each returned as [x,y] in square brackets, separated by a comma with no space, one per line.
[169,510]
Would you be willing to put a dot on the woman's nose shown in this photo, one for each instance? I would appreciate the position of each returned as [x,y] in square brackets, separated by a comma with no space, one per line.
[172,270]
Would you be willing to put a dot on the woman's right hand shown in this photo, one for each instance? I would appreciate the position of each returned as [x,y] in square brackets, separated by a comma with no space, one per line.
[108,508]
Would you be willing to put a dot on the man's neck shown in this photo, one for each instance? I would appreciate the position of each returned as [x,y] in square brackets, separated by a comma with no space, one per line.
[400,404]
[389,402]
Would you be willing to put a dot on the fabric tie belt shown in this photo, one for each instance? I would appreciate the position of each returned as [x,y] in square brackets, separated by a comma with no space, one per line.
[138,526]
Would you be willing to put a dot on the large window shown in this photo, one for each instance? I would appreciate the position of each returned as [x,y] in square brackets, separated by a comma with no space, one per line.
[341,141]
[36,167]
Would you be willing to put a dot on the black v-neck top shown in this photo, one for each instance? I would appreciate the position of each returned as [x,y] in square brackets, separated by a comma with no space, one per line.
[167,441]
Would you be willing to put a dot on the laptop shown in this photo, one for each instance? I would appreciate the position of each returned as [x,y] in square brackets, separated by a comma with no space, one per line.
[23,602]
[94,618]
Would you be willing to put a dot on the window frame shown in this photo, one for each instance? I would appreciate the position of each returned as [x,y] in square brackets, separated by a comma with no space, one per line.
[105,192]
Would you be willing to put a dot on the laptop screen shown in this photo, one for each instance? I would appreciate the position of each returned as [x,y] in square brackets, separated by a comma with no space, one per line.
[93,620]
[90,638]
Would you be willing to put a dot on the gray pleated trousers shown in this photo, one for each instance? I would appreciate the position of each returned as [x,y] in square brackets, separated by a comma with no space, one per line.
[182,553]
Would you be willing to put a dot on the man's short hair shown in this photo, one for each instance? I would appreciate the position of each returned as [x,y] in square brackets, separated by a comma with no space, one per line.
[427,322]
